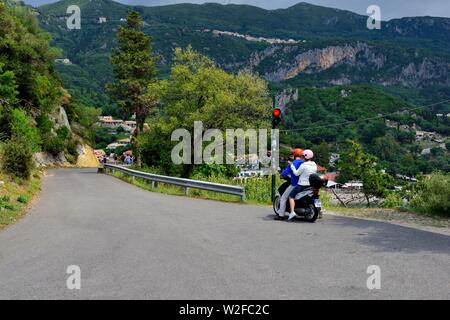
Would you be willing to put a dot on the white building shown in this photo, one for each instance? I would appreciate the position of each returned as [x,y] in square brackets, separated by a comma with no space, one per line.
[109,122]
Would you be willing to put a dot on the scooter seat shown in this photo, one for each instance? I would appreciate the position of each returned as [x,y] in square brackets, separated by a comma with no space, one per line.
[304,193]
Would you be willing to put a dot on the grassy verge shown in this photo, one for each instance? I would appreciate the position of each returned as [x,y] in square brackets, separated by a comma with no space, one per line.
[15,196]
[258,191]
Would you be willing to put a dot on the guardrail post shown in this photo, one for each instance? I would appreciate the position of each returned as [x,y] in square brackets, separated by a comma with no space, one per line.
[154,185]
[186,191]
[243,197]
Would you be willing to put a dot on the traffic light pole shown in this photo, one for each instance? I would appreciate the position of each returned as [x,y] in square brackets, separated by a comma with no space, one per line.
[276,118]
[273,169]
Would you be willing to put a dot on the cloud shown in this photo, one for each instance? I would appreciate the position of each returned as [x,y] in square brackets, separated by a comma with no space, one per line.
[389,8]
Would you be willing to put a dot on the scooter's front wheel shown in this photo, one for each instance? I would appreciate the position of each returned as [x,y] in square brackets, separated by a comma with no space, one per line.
[276,203]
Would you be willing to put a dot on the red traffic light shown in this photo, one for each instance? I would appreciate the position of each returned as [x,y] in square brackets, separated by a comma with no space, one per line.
[276,113]
[276,120]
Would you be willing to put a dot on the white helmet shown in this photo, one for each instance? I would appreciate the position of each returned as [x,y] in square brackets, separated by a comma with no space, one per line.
[308,154]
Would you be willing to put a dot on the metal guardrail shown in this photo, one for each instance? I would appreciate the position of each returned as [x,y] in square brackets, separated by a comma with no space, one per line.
[185,183]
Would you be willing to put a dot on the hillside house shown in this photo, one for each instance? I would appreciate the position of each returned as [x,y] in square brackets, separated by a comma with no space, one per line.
[109,122]
[422,135]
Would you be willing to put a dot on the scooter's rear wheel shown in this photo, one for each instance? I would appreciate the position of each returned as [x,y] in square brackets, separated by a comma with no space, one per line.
[276,203]
[313,214]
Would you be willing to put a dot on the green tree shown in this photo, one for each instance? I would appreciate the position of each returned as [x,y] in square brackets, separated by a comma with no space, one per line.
[356,164]
[24,141]
[386,148]
[322,154]
[22,127]
[27,53]
[197,90]
[135,70]
[8,88]
[373,130]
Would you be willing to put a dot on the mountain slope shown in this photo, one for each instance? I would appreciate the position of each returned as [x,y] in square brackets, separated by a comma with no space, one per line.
[332,46]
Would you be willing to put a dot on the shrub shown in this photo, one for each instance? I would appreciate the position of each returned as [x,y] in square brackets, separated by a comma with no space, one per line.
[209,170]
[53,144]
[432,195]
[22,128]
[71,158]
[71,148]
[259,190]
[393,200]
[18,158]
[8,206]
[44,124]
[63,133]
[24,141]
[325,198]
[22,199]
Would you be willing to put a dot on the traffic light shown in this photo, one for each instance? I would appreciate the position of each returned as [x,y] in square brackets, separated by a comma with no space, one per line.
[276,117]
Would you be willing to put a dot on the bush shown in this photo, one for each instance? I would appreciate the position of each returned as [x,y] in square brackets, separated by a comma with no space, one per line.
[53,144]
[213,169]
[44,124]
[393,200]
[8,206]
[259,190]
[23,199]
[18,158]
[22,127]
[63,133]
[72,153]
[432,195]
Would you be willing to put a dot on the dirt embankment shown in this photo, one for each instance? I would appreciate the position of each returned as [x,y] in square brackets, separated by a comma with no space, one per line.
[86,157]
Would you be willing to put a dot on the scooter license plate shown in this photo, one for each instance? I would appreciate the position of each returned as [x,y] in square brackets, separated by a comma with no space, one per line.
[318,203]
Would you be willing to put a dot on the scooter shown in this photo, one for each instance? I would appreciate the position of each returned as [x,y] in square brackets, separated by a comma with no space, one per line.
[307,202]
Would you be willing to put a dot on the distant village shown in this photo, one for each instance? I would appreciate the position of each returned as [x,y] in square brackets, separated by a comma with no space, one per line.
[251,38]
[109,122]
[421,135]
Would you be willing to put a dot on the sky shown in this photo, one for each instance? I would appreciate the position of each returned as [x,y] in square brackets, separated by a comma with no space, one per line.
[389,8]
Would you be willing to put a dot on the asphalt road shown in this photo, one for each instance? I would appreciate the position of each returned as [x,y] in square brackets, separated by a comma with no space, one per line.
[134,244]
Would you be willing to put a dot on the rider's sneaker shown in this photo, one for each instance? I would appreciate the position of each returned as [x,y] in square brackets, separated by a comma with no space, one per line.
[292,216]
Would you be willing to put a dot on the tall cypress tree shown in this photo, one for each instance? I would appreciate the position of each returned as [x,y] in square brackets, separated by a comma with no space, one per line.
[135,70]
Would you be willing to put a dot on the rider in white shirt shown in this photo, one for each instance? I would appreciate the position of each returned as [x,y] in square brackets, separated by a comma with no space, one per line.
[303,172]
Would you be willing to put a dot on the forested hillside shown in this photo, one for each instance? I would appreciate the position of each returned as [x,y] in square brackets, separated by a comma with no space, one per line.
[388,127]
[331,47]
[33,103]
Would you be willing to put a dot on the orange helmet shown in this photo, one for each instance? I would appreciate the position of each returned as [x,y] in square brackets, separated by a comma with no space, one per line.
[298,153]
